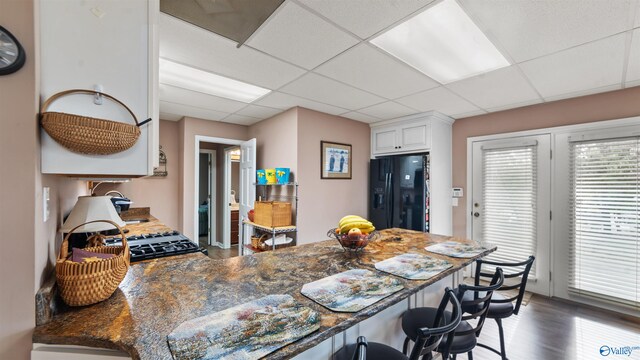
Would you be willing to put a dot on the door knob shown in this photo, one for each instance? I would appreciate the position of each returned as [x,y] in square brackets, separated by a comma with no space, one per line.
[476,214]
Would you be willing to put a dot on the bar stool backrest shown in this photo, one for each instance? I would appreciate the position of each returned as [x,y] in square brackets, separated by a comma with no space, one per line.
[429,338]
[478,306]
[525,267]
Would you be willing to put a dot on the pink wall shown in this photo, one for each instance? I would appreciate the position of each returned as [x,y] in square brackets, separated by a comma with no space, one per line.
[159,193]
[324,202]
[18,155]
[605,106]
[188,128]
[276,140]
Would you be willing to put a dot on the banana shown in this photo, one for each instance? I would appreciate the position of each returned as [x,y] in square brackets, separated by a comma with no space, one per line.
[349,218]
[355,224]
[368,230]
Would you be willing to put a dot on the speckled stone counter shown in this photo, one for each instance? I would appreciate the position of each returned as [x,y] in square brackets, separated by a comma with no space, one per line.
[158,295]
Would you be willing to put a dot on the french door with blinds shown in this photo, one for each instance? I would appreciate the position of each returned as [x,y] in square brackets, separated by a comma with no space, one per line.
[602,239]
[510,206]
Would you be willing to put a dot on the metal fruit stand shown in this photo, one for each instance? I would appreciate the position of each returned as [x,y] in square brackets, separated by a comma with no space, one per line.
[267,192]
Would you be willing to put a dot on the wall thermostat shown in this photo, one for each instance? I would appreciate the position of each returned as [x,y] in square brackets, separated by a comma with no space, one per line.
[457,193]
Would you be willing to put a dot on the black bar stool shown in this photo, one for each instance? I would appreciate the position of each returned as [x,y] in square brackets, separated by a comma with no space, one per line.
[428,337]
[502,307]
[474,301]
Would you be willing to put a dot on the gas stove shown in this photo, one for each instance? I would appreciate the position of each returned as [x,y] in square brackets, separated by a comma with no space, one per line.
[151,246]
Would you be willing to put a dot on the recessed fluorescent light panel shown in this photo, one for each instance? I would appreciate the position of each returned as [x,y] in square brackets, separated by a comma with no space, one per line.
[444,43]
[189,78]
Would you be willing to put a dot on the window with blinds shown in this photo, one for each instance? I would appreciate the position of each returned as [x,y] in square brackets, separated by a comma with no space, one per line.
[605,207]
[509,197]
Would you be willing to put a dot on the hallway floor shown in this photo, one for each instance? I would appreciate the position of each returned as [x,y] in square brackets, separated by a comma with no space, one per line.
[218,253]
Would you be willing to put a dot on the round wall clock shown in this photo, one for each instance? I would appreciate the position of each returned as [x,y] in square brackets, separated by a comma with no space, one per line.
[12,55]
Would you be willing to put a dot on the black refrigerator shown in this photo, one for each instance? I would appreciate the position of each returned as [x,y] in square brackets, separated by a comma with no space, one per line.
[399,192]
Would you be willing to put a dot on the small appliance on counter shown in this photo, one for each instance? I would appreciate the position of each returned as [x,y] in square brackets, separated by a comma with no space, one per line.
[157,245]
[120,202]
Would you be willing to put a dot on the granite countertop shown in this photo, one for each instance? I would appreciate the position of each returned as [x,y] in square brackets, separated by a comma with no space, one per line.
[158,295]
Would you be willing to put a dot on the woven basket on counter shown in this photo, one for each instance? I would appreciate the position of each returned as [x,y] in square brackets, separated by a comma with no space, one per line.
[86,283]
[88,135]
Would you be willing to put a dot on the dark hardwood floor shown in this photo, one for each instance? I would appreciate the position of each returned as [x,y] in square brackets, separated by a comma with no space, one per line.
[549,329]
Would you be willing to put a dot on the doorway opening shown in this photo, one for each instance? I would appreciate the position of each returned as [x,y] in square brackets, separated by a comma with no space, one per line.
[222,186]
[231,215]
[207,186]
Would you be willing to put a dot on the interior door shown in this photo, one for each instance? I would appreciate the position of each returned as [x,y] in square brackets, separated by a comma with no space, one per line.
[211,175]
[247,187]
[511,205]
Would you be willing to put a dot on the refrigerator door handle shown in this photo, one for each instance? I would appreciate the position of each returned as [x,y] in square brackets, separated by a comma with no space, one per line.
[387,181]
[390,202]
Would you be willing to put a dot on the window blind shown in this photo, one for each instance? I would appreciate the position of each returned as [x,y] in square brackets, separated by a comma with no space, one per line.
[605,206]
[509,196]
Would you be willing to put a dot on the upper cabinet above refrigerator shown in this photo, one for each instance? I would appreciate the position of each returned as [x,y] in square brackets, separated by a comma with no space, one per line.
[409,134]
[107,45]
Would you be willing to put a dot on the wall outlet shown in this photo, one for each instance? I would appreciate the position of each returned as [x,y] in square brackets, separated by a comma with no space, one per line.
[45,203]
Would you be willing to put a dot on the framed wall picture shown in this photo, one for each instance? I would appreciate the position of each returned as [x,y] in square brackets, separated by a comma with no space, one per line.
[335,160]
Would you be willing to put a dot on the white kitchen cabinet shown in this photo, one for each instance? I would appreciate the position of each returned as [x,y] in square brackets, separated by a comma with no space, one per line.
[112,44]
[401,137]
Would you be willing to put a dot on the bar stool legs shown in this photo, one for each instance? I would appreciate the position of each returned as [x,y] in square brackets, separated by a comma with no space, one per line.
[503,350]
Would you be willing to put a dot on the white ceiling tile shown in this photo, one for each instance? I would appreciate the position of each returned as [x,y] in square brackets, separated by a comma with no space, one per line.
[260,112]
[365,17]
[529,29]
[633,65]
[468,114]
[515,105]
[320,88]
[298,36]
[197,99]
[585,92]
[286,101]
[369,69]
[439,99]
[590,66]
[387,110]
[191,45]
[185,110]
[170,117]
[497,88]
[241,119]
[354,115]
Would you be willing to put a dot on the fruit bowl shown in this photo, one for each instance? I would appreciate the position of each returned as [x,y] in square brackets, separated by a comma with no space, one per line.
[353,243]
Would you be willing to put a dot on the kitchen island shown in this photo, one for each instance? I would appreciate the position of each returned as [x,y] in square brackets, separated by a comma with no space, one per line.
[158,295]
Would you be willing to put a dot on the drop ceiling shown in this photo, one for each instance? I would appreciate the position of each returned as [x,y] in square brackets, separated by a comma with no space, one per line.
[316,54]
